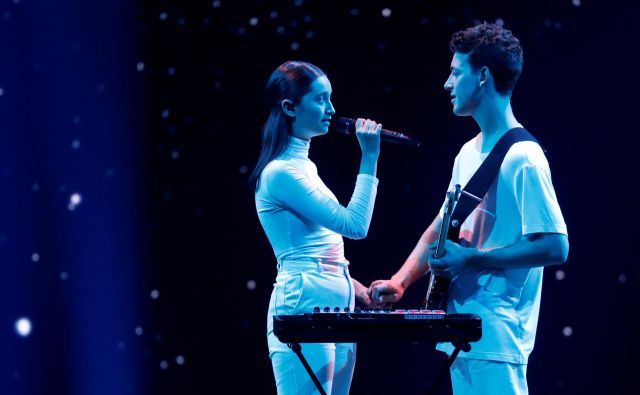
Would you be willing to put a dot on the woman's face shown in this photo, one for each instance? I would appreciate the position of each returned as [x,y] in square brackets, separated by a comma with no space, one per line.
[312,114]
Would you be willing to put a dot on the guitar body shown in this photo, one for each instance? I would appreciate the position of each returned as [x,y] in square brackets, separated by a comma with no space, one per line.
[437,292]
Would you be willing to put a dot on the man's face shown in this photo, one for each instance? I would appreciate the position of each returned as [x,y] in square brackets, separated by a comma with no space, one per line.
[463,85]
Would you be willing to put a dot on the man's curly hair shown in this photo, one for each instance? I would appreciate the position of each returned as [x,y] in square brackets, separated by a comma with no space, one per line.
[492,46]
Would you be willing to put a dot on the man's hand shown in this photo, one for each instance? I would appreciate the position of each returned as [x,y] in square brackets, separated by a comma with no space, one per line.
[385,291]
[453,262]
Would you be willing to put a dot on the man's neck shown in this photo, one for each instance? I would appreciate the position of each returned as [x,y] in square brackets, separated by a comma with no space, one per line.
[495,118]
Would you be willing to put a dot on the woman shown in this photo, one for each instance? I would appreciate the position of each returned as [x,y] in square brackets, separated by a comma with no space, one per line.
[305,223]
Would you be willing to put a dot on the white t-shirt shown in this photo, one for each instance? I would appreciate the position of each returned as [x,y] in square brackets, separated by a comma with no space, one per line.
[521,201]
[301,216]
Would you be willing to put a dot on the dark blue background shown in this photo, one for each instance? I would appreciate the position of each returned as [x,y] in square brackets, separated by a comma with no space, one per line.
[151,112]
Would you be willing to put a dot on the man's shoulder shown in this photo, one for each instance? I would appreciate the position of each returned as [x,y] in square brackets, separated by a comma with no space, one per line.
[526,153]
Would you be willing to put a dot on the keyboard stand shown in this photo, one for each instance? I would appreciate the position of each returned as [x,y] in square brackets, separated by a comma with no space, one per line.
[298,350]
[458,346]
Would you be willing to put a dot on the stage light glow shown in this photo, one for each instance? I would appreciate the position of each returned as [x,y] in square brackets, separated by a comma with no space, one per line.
[567,331]
[139,331]
[155,294]
[251,285]
[140,66]
[386,12]
[253,21]
[560,275]
[180,360]
[75,144]
[23,327]
[74,200]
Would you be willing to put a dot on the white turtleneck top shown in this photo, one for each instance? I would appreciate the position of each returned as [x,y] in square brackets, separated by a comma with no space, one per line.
[301,216]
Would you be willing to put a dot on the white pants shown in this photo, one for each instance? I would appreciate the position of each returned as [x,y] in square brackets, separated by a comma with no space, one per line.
[480,377]
[299,287]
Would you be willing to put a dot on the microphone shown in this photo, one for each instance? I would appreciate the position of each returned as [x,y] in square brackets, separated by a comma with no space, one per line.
[348,126]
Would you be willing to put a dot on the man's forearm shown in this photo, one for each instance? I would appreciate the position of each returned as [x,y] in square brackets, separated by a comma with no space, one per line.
[417,264]
[541,249]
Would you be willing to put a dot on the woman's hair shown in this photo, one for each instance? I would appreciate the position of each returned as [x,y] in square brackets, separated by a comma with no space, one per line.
[291,80]
[495,47]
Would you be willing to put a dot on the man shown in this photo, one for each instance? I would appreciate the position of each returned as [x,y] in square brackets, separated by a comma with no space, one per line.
[496,269]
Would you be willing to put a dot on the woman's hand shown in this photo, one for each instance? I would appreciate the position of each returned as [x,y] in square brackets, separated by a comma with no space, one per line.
[368,133]
[361,294]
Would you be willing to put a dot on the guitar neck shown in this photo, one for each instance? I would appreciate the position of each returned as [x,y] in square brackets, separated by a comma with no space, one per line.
[444,228]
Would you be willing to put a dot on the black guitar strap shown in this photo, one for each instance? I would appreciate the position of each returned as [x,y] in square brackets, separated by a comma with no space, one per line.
[482,179]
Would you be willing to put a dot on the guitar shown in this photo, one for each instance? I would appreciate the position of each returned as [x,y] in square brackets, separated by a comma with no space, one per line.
[436,298]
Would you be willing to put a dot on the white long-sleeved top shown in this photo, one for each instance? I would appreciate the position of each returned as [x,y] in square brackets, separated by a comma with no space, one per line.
[301,216]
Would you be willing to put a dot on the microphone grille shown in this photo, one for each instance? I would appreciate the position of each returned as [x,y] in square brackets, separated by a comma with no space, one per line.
[345,125]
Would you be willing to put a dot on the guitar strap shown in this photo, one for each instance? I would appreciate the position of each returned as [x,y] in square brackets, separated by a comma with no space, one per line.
[482,179]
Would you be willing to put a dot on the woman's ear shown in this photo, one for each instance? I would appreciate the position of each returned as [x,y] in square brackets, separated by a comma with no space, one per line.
[288,108]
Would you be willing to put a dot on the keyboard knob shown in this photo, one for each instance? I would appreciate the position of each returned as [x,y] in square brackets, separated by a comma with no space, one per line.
[327,309]
[336,309]
[346,309]
[316,309]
